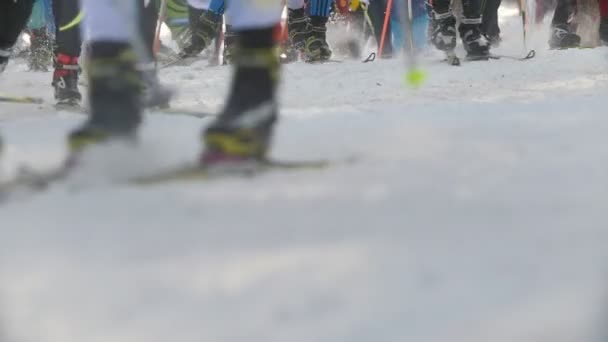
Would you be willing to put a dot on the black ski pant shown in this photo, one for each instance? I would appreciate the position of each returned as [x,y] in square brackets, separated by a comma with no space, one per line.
[471,10]
[68,41]
[13,18]
[489,24]
[376,11]
[564,12]
[149,18]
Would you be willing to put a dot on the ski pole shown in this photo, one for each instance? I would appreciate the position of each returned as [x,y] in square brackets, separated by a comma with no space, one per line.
[524,21]
[387,18]
[161,19]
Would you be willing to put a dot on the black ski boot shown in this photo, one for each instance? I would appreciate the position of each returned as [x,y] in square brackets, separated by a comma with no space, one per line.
[604,31]
[243,130]
[114,87]
[443,34]
[563,37]
[316,48]
[204,25]
[65,81]
[475,44]
[299,28]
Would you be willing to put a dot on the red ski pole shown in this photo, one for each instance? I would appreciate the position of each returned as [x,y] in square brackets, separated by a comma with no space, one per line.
[387,18]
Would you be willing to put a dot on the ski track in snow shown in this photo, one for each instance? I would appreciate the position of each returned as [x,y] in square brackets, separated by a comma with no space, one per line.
[476,212]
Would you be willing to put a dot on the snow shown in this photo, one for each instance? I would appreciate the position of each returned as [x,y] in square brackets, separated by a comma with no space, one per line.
[476,212]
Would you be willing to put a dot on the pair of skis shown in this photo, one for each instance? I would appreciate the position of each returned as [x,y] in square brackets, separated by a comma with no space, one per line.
[30,181]
[7,98]
[452,59]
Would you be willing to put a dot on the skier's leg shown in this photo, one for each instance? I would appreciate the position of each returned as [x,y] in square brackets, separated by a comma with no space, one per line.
[563,33]
[298,25]
[114,82]
[474,42]
[376,11]
[244,127]
[204,24]
[13,18]
[41,44]
[489,25]
[149,19]
[317,48]
[443,24]
[155,95]
[604,21]
[67,52]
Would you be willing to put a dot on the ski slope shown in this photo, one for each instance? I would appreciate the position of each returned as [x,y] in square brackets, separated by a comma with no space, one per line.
[476,212]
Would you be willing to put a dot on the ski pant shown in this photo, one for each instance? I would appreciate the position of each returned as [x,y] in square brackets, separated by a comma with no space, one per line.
[376,11]
[564,12]
[471,10]
[320,8]
[295,4]
[218,6]
[67,41]
[215,6]
[149,20]
[200,4]
[489,25]
[317,8]
[13,18]
[112,20]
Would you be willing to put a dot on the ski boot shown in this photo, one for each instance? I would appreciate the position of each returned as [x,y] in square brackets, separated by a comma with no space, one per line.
[204,25]
[41,53]
[475,44]
[299,28]
[443,34]
[114,87]
[243,130]
[604,31]
[65,80]
[563,37]
[317,49]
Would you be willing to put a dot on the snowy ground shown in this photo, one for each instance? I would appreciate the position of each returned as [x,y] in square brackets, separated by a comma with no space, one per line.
[476,212]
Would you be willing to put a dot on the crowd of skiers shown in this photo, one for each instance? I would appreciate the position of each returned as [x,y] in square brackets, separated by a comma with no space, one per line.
[122,73]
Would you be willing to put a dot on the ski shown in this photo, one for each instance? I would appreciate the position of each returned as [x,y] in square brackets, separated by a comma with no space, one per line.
[470,58]
[197,172]
[531,54]
[70,107]
[182,111]
[452,59]
[183,62]
[21,99]
[30,181]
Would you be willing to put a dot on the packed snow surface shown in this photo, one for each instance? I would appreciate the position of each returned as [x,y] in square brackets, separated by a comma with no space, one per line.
[475,211]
